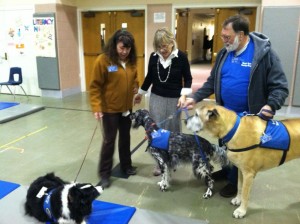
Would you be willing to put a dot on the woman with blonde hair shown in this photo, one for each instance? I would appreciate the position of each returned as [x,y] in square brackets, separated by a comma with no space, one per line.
[170,76]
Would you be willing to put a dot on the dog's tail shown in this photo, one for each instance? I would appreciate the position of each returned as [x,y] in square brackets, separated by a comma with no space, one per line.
[220,156]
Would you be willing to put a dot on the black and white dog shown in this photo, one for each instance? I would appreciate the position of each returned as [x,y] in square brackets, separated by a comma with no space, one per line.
[179,148]
[49,198]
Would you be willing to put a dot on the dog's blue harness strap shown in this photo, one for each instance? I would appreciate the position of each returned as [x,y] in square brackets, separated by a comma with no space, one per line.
[200,149]
[47,206]
[231,133]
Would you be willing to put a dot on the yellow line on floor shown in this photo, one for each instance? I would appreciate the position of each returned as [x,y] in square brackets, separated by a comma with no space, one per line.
[25,136]
[20,150]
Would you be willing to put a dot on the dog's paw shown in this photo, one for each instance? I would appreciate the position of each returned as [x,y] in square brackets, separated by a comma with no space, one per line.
[236,201]
[163,185]
[207,194]
[239,213]
[99,189]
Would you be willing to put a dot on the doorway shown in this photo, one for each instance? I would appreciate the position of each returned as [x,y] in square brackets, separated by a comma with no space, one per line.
[97,28]
[191,27]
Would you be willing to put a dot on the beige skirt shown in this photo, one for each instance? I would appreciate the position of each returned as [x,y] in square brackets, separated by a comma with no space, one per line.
[165,113]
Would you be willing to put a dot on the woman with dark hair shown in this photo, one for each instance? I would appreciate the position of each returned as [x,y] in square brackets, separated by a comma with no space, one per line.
[114,83]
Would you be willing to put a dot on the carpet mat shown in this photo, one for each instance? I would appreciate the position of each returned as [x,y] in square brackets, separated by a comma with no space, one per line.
[4,105]
[103,212]
[18,111]
[6,188]
[110,213]
[12,211]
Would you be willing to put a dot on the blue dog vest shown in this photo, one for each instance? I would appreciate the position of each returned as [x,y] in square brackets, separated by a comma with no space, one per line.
[47,206]
[160,139]
[276,136]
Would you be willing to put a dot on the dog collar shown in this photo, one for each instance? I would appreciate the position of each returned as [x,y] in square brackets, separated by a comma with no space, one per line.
[231,133]
[47,206]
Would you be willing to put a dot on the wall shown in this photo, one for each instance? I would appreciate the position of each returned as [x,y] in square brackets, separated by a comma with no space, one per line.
[152,26]
[280,3]
[167,6]
[289,52]
[67,49]
[181,3]
[16,35]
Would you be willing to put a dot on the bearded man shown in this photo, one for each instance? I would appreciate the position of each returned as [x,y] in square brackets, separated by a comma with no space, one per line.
[247,77]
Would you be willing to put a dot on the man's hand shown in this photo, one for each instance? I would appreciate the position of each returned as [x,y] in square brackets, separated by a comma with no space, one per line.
[189,103]
[266,112]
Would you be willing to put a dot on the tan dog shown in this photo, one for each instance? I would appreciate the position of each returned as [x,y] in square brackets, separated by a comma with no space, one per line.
[244,146]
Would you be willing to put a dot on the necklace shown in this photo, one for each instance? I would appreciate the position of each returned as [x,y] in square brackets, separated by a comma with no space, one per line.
[158,71]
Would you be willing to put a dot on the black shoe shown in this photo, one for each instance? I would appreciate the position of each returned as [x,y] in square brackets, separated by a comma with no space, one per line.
[130,171]
[219,175]
[230,190]
[105,183]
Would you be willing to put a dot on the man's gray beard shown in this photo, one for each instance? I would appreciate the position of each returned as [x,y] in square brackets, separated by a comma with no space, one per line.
[234,46]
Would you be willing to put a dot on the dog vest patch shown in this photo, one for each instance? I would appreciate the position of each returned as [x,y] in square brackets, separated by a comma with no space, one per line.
[160,139]
[276,136]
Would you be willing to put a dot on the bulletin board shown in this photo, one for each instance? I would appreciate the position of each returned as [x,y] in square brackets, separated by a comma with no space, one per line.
[46,52]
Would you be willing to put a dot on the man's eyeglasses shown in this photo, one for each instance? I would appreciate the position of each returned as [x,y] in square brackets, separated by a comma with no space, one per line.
[225,38]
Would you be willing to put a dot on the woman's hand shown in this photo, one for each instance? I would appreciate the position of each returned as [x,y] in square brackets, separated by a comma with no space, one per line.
[137,99]
[98,115]
[181,101]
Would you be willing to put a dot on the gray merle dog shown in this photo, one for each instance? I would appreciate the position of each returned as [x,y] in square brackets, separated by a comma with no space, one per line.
[179,148]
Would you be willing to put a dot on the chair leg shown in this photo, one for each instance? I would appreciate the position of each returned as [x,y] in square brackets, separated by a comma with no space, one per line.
[10,91]
[24,91]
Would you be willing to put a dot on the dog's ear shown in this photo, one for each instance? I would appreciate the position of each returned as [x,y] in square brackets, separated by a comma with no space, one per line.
[212,114]
[83,192]
[132,116]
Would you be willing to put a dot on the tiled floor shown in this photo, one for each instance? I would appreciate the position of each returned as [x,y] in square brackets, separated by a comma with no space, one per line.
[57,139]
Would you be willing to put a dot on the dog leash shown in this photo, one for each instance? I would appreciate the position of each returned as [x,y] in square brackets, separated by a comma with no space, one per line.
[169,117]
[88,148]
[197,139]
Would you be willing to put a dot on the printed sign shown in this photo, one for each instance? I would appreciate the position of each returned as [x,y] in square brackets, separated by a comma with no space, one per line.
[44,36]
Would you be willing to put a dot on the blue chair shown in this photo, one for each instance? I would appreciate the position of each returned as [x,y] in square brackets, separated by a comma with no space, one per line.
[15,79]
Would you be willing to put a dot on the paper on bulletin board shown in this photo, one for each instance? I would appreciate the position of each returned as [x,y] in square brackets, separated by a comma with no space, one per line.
[159,17]
[44,36]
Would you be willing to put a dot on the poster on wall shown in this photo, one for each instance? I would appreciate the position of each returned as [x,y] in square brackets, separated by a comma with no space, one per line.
[44,36]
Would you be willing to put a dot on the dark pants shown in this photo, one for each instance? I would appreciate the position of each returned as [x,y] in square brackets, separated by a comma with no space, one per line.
[231,171]
[112,123]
